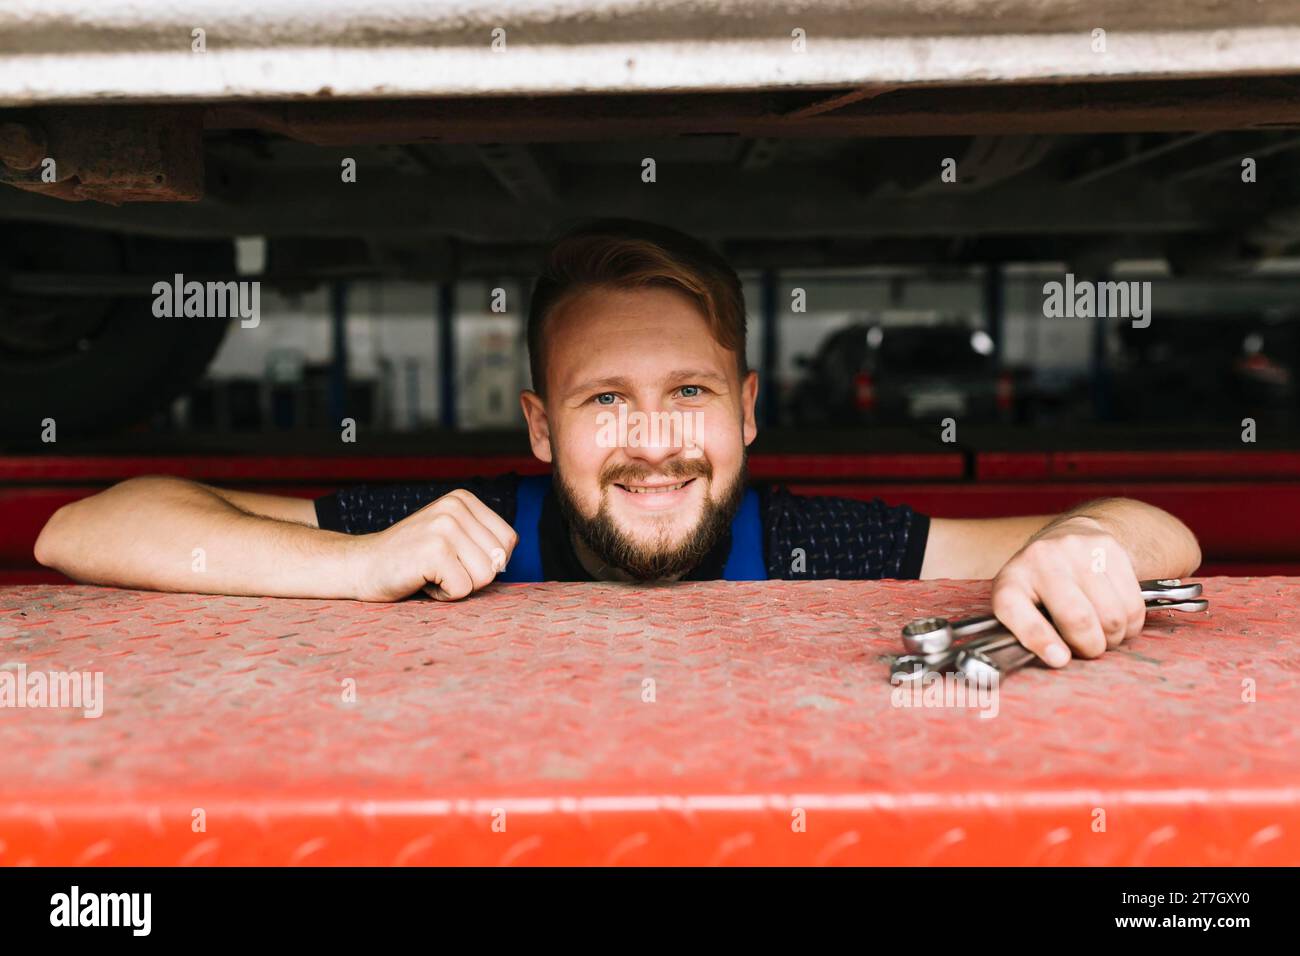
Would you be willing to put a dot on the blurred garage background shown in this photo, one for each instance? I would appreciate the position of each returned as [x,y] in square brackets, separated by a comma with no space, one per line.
[896,313]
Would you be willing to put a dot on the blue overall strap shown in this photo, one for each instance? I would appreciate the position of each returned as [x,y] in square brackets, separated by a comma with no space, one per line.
[745,562]
[526,560]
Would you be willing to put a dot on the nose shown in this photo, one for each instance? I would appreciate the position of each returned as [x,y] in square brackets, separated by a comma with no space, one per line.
[654,438]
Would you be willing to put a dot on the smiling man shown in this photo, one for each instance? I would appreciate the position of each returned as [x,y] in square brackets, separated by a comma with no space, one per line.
[632,326]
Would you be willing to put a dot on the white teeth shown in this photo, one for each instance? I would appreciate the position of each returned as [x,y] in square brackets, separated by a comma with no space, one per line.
[654,491]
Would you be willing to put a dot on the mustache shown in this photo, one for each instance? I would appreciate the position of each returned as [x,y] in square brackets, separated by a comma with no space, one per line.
[678,469]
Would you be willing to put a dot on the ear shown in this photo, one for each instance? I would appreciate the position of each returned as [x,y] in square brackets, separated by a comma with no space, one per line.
[539,426]
[748,397]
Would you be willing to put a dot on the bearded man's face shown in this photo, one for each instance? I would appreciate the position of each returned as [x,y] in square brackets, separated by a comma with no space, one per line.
[646,420]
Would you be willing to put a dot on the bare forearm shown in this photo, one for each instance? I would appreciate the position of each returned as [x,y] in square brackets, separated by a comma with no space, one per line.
[1158,544]
[171,535]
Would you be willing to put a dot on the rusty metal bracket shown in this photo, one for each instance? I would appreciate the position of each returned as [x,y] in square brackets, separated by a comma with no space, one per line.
[115,155]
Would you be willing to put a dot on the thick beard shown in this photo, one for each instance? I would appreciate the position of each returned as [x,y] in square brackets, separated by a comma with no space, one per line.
[659,560]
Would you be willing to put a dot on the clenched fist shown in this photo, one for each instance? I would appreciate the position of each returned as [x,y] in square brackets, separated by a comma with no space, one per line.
[449,548]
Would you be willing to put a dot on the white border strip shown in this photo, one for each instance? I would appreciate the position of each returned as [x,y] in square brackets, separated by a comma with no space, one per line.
[370,72]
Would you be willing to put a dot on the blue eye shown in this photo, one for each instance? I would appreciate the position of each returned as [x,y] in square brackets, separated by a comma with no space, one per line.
[600,399]
[687,393]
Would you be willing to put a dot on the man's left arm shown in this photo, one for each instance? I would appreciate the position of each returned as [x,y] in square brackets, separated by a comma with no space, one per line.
[1083,567]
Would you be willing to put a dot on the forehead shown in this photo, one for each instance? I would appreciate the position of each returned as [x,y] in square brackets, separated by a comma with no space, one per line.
[640,334]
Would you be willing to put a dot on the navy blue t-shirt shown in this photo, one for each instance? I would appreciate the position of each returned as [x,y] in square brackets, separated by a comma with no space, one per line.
[804,537]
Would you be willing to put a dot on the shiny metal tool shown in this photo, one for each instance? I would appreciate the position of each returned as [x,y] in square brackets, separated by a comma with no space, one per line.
[980,647]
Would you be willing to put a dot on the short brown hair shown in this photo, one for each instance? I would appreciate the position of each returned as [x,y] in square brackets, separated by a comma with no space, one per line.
[629,253]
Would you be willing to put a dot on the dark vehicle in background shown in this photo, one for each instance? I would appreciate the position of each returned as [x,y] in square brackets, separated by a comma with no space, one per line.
[868,372]
[1199,368]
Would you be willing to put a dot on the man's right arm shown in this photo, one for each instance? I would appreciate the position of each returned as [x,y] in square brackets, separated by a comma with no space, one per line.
[168,534]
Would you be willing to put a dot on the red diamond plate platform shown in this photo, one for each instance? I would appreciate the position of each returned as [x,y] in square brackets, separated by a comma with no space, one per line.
[514,728]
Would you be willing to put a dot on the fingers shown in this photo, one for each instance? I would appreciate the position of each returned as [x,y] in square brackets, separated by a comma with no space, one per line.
[1088,596]
[1135,615]
[449,548]
[1073,616]
[1128,591]
[455,563]
[1111,614]
[1016,607]
[492,522]
[437,593]
[468,516]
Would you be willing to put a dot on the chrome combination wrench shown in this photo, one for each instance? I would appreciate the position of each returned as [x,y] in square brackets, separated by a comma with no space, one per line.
[982,647]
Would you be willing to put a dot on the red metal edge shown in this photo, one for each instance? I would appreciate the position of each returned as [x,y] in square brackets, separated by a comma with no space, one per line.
[32,468]
[854,467]
[303,826]
[1011,466]
[989,466]
[105,468]
[1172,465]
